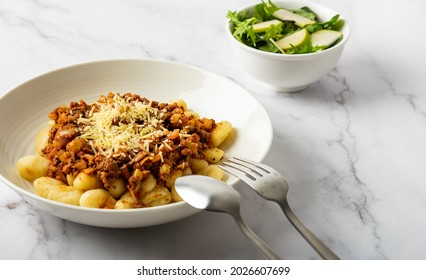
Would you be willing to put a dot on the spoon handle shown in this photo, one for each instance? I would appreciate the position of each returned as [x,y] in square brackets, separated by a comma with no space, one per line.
[314,241]
[255,239]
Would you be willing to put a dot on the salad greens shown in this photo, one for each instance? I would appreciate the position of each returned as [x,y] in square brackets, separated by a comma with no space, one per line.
[273,29]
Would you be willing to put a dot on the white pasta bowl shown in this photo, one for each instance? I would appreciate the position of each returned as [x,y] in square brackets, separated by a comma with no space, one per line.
[23,113]
[289,72]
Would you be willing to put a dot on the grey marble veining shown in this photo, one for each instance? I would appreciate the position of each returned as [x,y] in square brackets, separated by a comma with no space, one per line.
[351,145]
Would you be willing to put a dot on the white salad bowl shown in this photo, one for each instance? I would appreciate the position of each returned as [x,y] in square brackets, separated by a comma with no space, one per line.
[289,72]
[24,110]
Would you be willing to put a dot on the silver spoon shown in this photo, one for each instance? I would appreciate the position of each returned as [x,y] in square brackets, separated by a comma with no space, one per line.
[210,194]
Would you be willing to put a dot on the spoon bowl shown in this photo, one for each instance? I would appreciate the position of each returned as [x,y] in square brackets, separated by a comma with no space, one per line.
[210,194]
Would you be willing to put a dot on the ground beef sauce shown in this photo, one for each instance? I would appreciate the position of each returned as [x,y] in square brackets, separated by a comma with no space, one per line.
[124,136]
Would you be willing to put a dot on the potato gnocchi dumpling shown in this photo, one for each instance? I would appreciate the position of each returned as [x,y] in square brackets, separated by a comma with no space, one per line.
[32,167]
[42,139]
[122,151]
[214,155]
[85,182]
[54,189]
[127,201]
[212,171]
[158,196]
[220,133]
[97,198]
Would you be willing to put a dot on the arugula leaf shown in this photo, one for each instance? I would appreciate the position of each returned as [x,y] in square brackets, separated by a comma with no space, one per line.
[244,31]
[289,27]
[264,11]
[305,48]
[274,32]
[236,17]
[259,13]
[306,12]
[270,8]
[243,28]
[329,24]
[323,25]
[269,47]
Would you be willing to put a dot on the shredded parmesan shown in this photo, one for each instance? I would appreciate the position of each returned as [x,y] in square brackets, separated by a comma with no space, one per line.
[121,124]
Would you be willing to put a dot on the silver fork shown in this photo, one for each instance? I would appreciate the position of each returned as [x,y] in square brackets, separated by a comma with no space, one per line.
[269,184]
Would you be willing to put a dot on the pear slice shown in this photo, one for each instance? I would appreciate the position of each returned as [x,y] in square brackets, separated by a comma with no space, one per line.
[325,38]
[293,40]
[286,15]
[263,26]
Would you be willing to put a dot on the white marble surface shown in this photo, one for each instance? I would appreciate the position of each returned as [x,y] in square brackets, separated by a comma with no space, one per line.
[352,145]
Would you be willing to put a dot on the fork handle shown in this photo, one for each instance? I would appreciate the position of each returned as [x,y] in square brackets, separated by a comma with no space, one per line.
[315,243]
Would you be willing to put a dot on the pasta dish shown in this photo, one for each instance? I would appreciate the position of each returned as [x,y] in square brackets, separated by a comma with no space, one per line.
[122,151]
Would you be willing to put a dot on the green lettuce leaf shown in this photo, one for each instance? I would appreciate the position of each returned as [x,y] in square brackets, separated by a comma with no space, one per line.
[323,25]
[306,12]
[243,28]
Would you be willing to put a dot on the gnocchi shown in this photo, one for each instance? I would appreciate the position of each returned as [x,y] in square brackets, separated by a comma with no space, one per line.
[117,188]
[220,133]
[198,164]
[97,198]
[32,167]
[158,196]
[54,189]
[127,201]
[86,182]
[131,161]
[212,171]
[214,155]
[42,139]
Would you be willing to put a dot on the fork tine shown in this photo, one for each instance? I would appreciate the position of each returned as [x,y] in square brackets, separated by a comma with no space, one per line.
[253,165]
[237,172]
[249,170]
[244,169]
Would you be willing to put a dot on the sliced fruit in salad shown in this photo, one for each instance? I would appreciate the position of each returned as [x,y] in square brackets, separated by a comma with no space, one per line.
[263,26]
[293,40]
[286,15]
[325,38]
[270,28]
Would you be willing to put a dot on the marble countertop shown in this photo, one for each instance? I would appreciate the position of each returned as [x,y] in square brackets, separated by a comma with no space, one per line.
[351,145]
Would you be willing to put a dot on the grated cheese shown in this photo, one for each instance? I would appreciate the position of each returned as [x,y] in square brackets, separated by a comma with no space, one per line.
[121,124]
